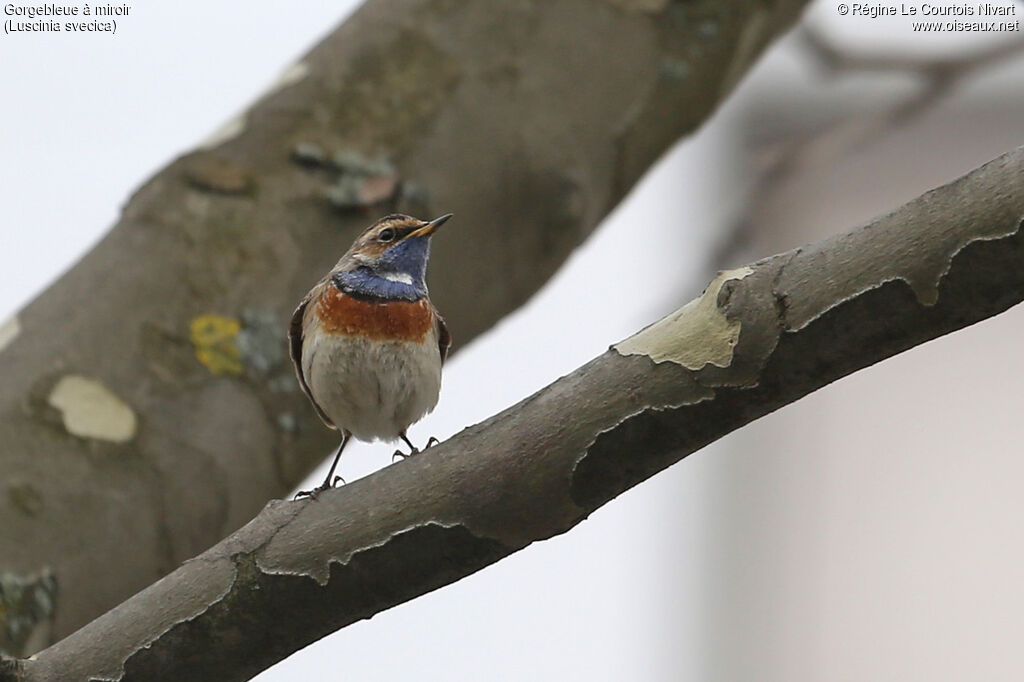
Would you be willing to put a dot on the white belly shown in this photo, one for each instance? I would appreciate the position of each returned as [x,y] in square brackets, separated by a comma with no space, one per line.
[374,390]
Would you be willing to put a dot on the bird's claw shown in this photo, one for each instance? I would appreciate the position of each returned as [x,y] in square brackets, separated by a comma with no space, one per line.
[315,492]
[414,450]
[311,494]
[399,454]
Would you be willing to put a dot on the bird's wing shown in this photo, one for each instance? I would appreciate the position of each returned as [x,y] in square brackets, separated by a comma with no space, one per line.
[295,348]
[444,337]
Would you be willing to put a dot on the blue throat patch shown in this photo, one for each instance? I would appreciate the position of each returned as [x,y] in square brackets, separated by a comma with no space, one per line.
[405,260]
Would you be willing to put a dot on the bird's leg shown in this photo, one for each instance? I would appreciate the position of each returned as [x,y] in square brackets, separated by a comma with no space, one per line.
[413,450]
[328,482]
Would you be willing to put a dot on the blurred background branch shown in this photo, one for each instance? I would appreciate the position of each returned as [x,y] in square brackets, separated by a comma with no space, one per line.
[814,149]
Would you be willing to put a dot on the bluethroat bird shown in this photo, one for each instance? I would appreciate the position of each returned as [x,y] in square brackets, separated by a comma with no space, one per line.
[366,341]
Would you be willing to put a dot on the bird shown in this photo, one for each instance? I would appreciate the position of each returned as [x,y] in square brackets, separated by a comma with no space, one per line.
[366,341]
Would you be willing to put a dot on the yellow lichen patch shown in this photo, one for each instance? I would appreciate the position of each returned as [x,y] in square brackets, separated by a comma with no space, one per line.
[696,335]
[90,410]
[9,331]
[215,340]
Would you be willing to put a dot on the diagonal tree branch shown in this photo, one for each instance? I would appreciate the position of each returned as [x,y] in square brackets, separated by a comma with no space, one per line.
[146,397]
[759,337]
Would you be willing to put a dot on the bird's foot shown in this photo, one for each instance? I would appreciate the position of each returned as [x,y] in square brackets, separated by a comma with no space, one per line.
[312,493]
[315,492]
[413,450]
[399,454]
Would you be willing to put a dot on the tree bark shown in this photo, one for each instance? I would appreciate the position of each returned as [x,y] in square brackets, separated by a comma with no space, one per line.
[147,401]
[758,338]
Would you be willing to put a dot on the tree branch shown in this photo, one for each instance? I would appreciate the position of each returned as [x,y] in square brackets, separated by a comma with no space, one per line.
[938,76]
[759,337]
[808,148]
[147,399]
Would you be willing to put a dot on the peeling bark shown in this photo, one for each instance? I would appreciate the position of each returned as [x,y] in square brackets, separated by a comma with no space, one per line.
[528,120]
[795,322]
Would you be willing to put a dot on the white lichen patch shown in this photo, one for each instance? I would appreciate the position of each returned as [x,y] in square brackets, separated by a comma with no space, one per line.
[696,335]
[9,331]
[90,410]
[226,132]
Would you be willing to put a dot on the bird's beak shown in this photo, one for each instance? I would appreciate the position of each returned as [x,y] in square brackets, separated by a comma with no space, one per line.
[431,227]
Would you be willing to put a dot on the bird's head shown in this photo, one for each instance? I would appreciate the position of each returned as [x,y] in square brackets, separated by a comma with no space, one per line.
[389,259]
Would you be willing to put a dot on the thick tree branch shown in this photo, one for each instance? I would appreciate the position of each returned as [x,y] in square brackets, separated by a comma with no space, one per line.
[146,398]
[760,336]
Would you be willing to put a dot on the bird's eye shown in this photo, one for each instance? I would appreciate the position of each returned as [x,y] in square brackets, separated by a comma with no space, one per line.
[386,235]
